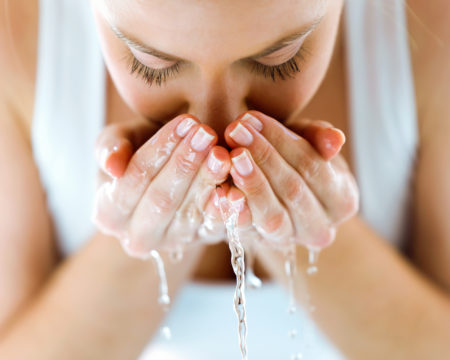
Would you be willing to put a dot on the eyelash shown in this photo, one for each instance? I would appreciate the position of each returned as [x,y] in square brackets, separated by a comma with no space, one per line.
[288,68]
[160,76]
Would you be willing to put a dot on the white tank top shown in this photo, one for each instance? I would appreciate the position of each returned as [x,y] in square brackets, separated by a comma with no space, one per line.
[70,112]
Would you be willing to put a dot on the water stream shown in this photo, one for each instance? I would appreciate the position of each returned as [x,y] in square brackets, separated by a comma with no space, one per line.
[230,216]
[164,298]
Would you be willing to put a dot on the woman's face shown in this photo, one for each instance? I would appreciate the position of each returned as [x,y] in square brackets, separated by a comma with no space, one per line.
[207,55]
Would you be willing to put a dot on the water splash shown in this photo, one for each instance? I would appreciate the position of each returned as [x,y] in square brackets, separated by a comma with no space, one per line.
[230,216]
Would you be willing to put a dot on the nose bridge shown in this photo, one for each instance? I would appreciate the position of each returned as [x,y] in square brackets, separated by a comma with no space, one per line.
[220,102]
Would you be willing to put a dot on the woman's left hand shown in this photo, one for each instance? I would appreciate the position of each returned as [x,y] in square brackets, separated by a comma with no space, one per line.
[296,187]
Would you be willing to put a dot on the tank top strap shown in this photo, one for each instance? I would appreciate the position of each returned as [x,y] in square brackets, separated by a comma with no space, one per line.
[383,112]
[68,115]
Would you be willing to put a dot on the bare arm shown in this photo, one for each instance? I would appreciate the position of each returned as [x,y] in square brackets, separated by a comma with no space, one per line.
[372,302]
[98,304]
[369,300]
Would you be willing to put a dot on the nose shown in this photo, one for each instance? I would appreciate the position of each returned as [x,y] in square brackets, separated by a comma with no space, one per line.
[219,105]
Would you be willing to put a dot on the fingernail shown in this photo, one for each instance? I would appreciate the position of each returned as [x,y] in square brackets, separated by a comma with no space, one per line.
[105,155]
[201,140]
[341,133]
[241,135]
[253,121]
[214,163]
[184,126]
[242,164]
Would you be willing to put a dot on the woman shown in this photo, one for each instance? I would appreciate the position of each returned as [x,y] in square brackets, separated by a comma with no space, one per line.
[100,303]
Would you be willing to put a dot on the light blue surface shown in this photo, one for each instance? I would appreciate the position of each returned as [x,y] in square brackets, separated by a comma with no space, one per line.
[204,326]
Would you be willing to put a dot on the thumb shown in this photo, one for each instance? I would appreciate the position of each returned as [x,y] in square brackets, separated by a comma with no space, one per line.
[116,144]
[325,138]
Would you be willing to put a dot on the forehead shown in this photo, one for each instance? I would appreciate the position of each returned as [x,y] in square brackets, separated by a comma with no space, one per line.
[199,29]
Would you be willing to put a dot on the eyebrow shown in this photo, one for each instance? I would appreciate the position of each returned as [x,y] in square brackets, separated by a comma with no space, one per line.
[277,45]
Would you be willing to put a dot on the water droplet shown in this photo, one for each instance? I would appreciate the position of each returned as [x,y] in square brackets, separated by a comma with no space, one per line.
[297,356]
[176,255]
[311,270]
[164,298]
[313,256]
[166,333]
[292,333]
[253,281]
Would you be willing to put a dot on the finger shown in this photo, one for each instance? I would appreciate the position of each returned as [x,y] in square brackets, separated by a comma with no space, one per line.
[117,142]
[246,231]
[190,215]
[167,190]
[322,135]
[212,230]
[116,200]
[283,152]
[308,216]
[269,216]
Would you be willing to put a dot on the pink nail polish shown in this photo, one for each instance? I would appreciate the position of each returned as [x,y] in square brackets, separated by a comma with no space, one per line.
[242,164]
[184,126]
[201,140]
[253,121]
[241,135]
[214,164]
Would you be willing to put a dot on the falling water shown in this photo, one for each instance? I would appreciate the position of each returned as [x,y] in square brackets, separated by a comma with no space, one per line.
[164,298]
[313,256]
[230,217]
[290,268]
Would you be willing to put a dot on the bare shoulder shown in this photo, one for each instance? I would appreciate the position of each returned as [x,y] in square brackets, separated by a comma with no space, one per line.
[430,51]
[429,30]
[18,55]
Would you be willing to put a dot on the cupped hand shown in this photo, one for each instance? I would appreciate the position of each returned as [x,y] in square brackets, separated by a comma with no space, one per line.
[297,188]
[155,188]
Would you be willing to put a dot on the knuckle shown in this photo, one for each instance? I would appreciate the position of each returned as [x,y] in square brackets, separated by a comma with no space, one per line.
[263,155]
[348,205]
[324,237]
[137,167]
[274,225]
[185,165]
[309,166]
[351,205]
[162,201]
[294,190]
[256,187]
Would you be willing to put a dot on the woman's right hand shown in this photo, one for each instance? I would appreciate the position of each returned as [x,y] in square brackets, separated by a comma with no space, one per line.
[155,187]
